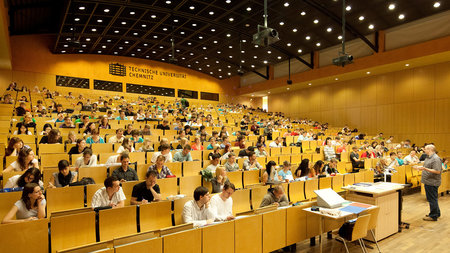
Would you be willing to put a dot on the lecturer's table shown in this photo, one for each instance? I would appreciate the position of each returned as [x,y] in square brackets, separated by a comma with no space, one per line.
[387,197]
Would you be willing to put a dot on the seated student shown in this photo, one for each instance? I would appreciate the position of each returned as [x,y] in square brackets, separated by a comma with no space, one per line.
[135,138]
[382,166]
[331,167]
[317,168]
[159,167]
[54,136]
[162,142]
[277,143]
[216,150]
[184,155]
[71,138]
[15,144]
[67,123]
[328,151]
[251,163]
[126,145]
[275,196]
[59,118]
[303,171]
[21,110]
[197,145]
[30,207]
[198,210]
[115,160]
[25,160]
[121,116]
[270,175]
[94,138]
[356,162]
[226,151]
[125,173]
[369,153]
[87,160]
[165,151]
[399,159]
[78,148]
[118,138]
[28,120]
[231,164]
[411,158]
[111,195]
[260,150]
[146,146]
[22,129]
[32,175]
[214,163]
[212,144]
[147,191]
[219,180]
[89,128]
[222,204]
[46,129]
[392,160]
[82,122]
[64,177]
[164,125]
[128,129]
[285,173]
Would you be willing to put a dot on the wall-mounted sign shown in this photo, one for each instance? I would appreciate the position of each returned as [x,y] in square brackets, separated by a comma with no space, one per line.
[138,72]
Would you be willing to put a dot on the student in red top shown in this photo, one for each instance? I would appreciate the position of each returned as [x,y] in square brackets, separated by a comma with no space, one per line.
[197,144]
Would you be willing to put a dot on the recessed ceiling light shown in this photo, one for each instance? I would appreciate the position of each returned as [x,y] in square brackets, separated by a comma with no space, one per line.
[164,29]
[204,48]
[211,13]
[106,10]
[288,88]
[255,57]
[299,50]
[229,66]
[371,26]
[68,38]
[318,44]
[228,35]
[316,21]
[147,56]
[288,44]
[391,7]
[83,45]
[88,39]
[181,32]
[231,19]
[303,13]
[329,29]
[294,30]
[161,47]
[139,50]
[253,95]
[230,56]
[66,45]
[77,19]
[115,53]
[247,25]
[307,37]
[168,2]
[279,57]
[361,18]
[436,4]
[189,65]
[286,4]
[99,51]
[144,25]
[135,34]
[200,37]
[120,48]
[132,12]
[252,66]
[194,24]
[281,23]
[268,92]
[153,52]
[207,65]
[348,8]
[228,1]
[93,29]
[126,42]
[155,36]
[340,37]
[124,23]
[191,7]
[103,46]
[229,73]
[116,31]
[249,9]
[81,8]
[230,46]
[215,42]
[265,62]
[269,52]
[368,72]
[145,44]
[153,16]
[220,76]
[63,51]
[309,84]
[175,20]
[256,46]
[401,16]
[407,65]
[81,51]
[213,30]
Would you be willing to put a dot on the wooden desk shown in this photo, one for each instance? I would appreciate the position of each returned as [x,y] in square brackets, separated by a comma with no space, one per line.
[218,238]
[248,234]
[384,195]
[274,230]
[189,241]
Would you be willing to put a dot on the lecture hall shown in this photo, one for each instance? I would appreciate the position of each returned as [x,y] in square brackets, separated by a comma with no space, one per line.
[234,126]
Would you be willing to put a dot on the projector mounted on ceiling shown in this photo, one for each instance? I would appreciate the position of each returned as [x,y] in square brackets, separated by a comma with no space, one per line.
[343,58]
[265,35]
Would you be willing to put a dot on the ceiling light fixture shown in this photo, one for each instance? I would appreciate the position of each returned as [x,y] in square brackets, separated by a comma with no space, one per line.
[348,8]
[303,13]
[329,29]
[371,26]
[361,18]
[401,16]
[391,7]
[316,21]
[106,10]
[82,8]
[436,4]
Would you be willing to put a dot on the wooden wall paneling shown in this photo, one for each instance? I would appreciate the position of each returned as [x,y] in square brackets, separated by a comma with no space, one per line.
[338,95]
[425,117]
[353,94]
[385,89]
[385,118]
[442,80]
[369,119]
[403,86]
[423,83]
[327,97]
[368,91]
[442,113]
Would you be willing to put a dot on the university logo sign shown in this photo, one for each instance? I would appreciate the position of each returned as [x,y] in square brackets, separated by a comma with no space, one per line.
[117,69]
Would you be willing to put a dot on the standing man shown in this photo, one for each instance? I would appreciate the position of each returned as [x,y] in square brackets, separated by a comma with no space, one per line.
[431,178]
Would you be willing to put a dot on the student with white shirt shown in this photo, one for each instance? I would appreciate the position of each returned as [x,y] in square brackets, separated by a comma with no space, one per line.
[165,151]
[222,204]
[30,207]
[198,210]
[111,195]
[277,143]
[87,160]
[32,175]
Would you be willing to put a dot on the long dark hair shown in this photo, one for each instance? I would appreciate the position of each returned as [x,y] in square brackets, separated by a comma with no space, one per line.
[47,125]
[21,158]
[11,144]
[19,126]
[269,166]
[53,136]
[317,166]
[32,171]
[28,189]
[303,168]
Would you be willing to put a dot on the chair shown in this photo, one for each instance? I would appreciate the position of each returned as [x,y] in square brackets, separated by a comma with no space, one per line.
[337,183]
[188,184]
[349,179]
[81,232]
[241,201]
[359,231]
[51,148]
[324,182]
[30,236]
[310,186]
[127,188]
[103,157]
[360,176]
[51,160]
[167,186]
[257,194]
[297,191]
[137,157]
[90,191]
[192,168]
[235,177]
[175,168]
[178,206]
[373,223]
[142,170]
[251,178]
[64,198]
[7,200]
[98,173]
[98,148]
[117,222]
[197,154]
[155,215]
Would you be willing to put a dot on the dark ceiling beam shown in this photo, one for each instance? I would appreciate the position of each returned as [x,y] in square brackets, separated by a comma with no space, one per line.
[266,76]
[129,30]
[62,25]
[107,28]
[338,20]
[87,22]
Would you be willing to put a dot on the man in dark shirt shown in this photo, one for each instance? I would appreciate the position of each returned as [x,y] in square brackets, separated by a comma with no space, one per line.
[246,152]
[356,162]
[125,173]
[21,110]
[431,178]
[146,191]
[164,125]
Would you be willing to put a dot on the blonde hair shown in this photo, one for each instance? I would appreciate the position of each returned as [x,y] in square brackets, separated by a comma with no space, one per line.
[219,170]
